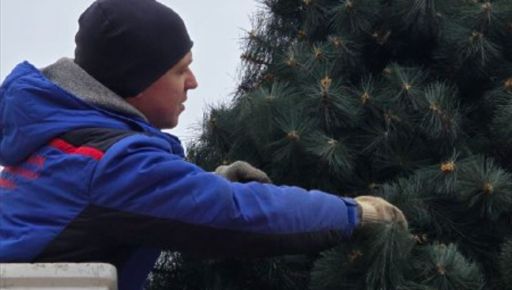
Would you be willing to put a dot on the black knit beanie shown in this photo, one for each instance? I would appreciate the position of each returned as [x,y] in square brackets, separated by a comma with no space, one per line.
[128,44]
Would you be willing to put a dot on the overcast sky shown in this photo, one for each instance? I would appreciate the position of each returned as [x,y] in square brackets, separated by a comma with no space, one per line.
[42,31]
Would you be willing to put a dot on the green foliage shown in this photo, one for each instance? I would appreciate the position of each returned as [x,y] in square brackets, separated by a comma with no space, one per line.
[410,100]
[506,264]
[443,267]
[485,188]
[501,101]
[412,196]
[442,117]
[404,86]
[335,269]
[174,271]
[353,16]
[380,252]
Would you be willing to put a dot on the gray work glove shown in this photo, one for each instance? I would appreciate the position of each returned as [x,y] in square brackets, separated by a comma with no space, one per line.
[377,210]
[241,171]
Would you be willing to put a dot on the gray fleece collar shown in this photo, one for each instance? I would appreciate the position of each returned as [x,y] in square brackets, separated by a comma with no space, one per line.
[68,75]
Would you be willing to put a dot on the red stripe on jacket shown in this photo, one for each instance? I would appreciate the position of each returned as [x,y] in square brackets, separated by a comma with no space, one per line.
[37,160]
[82,150]
[6,183]
[15,170]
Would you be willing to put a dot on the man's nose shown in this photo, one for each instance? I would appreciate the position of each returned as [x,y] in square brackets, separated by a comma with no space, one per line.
[192,81]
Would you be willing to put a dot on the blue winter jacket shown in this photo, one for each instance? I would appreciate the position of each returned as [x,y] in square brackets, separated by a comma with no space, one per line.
[87,179]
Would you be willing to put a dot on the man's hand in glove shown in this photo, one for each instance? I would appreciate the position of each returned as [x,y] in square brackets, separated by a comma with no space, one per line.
[241,171]
[376,210]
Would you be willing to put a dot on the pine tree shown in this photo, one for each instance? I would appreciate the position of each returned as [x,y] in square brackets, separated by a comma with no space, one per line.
[410,100]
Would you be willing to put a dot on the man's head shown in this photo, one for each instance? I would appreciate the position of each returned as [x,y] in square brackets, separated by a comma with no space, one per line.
[163,101]
[135,48]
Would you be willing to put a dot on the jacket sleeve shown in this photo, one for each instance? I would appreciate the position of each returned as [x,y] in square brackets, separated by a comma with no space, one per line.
[144,195]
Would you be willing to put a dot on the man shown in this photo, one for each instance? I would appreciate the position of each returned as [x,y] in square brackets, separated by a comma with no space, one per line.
[89,176]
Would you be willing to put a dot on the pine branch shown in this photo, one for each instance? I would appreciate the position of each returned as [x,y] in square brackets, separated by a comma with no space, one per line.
[444,268]
[485,188]
[441,116]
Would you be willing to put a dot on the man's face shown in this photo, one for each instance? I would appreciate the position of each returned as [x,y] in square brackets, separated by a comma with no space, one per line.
[162,102]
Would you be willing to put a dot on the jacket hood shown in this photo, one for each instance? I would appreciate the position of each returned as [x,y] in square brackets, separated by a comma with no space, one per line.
[37,106]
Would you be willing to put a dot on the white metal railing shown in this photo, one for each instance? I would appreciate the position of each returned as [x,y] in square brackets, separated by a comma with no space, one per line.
[52,276]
